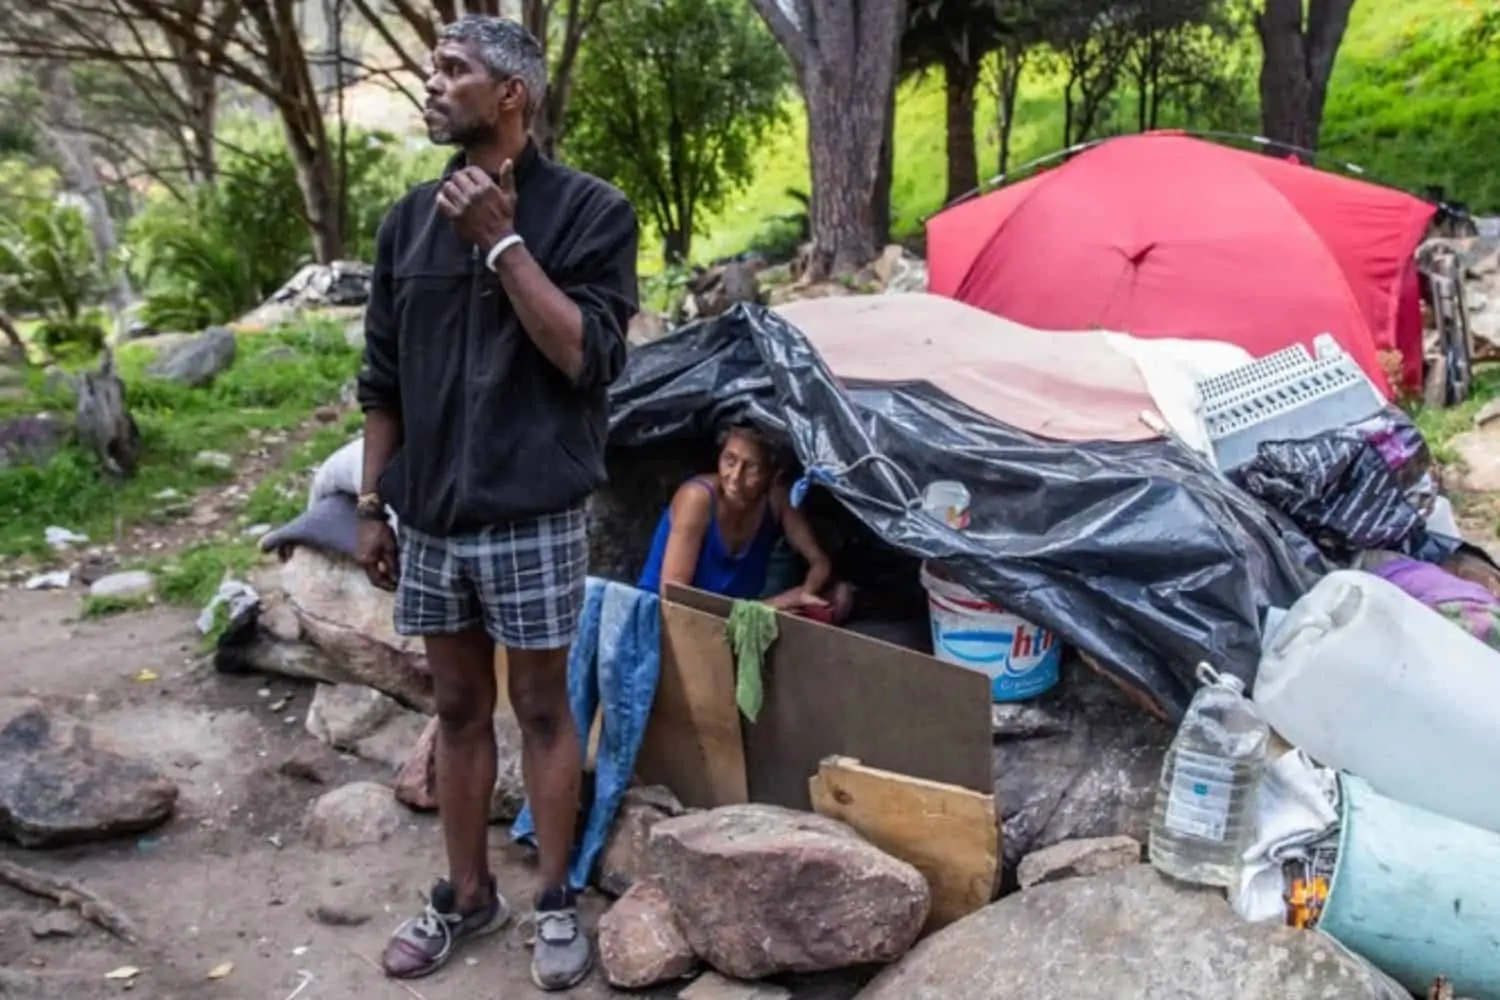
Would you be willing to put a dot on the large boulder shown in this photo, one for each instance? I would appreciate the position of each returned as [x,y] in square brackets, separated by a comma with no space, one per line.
[625,859]
[197,361]
[32,440]
[1078,859]
[1080,762]
[1129,933]
[343,283]
[760,890]
[640,941]
[57,787]
[359,813]
[343,714]
[340,612]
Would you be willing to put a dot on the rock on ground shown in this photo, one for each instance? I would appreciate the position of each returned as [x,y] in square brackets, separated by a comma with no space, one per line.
[624,860]
[1082,761]
[416,784]
[640,942]
[343,714]
[1129,933]
[1078,858]
[760,890]
[340,612]
[359,813]
[1479,452]
[130,585]
[57,787]
[32,439]
[712,986]
[197,361]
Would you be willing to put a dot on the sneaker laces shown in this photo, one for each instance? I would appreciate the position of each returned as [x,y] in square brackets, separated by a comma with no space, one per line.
[432,924]
[557,926]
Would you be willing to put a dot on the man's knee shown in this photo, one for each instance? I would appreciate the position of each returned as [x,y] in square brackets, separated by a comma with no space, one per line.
[463,689]
[539,693]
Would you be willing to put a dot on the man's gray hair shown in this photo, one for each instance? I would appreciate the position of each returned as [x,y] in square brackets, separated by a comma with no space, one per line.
[507,49]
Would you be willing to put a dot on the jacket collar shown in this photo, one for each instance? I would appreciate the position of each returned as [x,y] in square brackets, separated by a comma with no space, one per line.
[526,163]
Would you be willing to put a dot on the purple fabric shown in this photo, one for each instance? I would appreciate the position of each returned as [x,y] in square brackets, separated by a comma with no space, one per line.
[1468,605]
[1433,585]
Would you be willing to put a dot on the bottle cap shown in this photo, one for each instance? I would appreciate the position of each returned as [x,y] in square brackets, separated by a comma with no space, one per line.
[1207,675]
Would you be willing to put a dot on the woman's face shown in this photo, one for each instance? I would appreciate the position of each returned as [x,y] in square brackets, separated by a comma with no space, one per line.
[744,471]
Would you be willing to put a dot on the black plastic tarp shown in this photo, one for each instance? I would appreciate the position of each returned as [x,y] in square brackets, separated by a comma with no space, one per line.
[1138,553]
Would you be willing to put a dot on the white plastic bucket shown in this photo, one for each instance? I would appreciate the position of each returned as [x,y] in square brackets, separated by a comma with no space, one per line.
[948,501]
[1022,659]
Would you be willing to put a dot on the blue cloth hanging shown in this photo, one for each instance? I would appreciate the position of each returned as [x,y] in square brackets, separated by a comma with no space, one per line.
[615,664]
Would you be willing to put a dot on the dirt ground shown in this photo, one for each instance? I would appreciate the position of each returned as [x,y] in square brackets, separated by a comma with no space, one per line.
[229,878]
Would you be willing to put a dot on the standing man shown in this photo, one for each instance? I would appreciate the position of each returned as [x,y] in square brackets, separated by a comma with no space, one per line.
[496,322]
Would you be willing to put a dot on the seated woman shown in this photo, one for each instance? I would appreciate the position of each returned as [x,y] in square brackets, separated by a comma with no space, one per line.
[720,532]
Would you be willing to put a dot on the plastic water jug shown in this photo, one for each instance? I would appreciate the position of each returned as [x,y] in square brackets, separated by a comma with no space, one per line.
[1205,807]
[1369,680]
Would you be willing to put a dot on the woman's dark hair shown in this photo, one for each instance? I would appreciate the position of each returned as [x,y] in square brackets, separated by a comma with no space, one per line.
[775,454]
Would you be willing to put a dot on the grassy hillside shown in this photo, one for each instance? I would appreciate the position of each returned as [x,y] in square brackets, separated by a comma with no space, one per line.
[1407,102]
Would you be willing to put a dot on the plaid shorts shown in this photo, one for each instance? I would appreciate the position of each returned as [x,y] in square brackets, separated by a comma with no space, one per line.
[523,581]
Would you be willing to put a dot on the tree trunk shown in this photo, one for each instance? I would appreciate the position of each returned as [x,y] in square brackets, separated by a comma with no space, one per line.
[676,244]
[1011,65]
[61,120]
[1295,66]
[317,177]
[845,53]
[16,347]
[199,101]
[302,122]
[104,422]
[961,78]
[844,136]
[885,178]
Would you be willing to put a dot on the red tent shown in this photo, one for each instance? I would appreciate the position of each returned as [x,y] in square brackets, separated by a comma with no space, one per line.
[1163,235]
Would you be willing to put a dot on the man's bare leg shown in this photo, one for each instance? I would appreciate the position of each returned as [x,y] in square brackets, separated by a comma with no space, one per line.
[551,759]
[552,762]
[463,675]
[463,682]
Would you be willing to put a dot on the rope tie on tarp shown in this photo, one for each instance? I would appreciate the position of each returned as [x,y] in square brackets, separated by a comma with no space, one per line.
[827,475]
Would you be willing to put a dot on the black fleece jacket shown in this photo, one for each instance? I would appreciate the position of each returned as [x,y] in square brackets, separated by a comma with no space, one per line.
[492,430]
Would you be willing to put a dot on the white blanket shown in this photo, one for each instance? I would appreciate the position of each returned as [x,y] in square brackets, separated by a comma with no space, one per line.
[1298,807]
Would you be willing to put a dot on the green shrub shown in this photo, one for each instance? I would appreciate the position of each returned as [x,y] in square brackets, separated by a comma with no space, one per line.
[48,267]
[218,255]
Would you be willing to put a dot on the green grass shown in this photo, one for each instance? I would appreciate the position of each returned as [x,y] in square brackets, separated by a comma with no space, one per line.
[192,577]
[1414,104]
[1407,102]
[1439,426]
[104,607]
[276,381]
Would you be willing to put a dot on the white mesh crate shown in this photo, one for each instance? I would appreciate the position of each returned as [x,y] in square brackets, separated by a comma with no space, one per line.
[1287,396]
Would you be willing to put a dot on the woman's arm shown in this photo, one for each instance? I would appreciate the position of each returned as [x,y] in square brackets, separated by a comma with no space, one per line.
[692,509]
[799,535]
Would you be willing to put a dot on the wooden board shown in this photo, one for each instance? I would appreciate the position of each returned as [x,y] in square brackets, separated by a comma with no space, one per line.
[828,692]
[694,743]
[951,835]
[831,692]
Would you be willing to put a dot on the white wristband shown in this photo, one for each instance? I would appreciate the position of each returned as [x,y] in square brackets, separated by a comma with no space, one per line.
[506,242]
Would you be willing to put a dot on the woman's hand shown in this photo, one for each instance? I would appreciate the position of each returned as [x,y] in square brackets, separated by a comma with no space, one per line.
[797,599]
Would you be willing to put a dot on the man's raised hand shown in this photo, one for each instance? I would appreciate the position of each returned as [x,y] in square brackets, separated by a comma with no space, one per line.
[482,210]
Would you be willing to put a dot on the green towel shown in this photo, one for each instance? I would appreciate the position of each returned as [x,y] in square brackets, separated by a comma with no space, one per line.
[751,629]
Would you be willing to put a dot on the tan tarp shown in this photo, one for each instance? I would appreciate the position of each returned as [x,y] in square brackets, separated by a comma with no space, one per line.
[1062,386]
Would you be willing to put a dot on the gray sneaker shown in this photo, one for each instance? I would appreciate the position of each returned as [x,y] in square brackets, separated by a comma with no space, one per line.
[561,957]
[424,944]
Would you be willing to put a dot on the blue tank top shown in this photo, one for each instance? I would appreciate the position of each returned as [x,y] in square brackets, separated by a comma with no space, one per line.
[741,576]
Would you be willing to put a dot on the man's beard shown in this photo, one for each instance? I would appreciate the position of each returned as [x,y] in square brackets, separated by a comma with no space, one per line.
[449,132]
